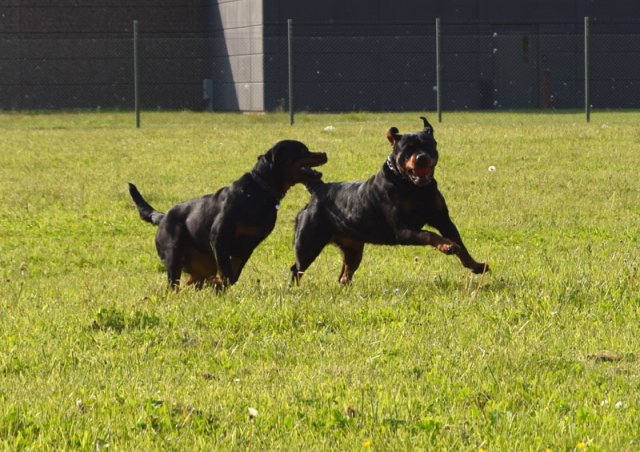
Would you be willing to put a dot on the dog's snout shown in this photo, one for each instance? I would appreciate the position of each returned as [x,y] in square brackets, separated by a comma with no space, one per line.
[320,158]
[422,159]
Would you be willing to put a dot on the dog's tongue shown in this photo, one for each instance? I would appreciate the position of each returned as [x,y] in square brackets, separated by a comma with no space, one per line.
[421,172]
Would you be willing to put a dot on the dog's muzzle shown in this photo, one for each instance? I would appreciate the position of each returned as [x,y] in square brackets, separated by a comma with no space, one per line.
[421,171]
[316,159]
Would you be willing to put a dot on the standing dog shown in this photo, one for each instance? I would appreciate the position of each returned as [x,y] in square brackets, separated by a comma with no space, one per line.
[390,209]
[212,237]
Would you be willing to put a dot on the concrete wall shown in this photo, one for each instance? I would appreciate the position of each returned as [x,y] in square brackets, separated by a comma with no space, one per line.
[237,55]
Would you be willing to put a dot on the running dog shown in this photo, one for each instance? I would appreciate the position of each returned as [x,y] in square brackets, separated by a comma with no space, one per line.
[390,208]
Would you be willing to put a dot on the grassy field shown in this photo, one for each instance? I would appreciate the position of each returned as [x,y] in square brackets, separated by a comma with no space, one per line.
[417,353]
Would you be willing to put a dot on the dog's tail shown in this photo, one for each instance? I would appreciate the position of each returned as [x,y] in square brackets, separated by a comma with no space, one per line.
[147,213]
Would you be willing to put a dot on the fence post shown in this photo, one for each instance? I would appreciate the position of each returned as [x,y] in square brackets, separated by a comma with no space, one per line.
[136,74]
[438,72]
[290,65]
[587,100]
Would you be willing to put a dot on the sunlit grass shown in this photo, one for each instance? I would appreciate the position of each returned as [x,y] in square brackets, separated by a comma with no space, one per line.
[416,354]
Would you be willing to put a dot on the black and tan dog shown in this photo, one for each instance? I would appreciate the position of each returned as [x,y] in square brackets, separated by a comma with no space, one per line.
[212,237]
[390,209]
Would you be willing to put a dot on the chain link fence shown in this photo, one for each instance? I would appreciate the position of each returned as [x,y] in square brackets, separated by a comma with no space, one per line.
[483,67]
[335,67]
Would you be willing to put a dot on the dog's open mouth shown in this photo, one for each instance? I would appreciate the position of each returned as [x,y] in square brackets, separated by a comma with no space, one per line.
[306,170]
[310,173]
[420,176]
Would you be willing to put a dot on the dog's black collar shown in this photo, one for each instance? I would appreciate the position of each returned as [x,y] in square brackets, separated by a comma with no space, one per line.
[391,166]
[275,194]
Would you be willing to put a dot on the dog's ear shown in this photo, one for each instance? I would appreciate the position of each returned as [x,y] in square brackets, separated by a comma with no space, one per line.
[272,155]
[428,128]
[268,156]
[276,154]
[393,136]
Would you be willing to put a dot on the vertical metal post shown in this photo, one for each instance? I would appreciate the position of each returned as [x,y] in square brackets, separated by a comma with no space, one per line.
[290,64]
[438,72]
[136,73]
[587,100]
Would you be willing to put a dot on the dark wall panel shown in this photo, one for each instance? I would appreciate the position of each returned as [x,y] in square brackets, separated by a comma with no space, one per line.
[64,53]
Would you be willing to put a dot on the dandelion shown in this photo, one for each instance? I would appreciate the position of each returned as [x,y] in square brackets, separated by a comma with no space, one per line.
[253,413]
[366,443]
[581,445]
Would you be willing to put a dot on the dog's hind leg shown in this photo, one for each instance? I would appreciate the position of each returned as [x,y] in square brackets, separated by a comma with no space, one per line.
[170,246]
[311,236]
[173,262]
[351,257]
[305,255]
[200,266]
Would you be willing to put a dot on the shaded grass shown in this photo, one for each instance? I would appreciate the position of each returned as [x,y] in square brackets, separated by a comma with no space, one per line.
[416,354]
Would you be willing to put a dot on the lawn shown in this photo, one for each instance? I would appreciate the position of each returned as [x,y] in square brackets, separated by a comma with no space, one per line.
[417,353]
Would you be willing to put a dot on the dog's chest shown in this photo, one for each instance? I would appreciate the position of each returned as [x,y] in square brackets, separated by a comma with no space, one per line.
[254,220]
[418,210]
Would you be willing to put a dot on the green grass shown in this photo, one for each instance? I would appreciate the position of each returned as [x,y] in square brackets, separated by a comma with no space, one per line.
[416,354]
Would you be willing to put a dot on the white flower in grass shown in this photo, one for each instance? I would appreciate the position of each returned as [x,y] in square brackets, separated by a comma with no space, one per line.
[253,413]
[329,129]
[619,405]
[491,168]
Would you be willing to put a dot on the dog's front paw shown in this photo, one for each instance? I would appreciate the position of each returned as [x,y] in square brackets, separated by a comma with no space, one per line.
[480,268]
[449,248]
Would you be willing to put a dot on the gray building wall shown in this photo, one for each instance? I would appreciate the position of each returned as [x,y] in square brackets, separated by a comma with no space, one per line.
[237,55]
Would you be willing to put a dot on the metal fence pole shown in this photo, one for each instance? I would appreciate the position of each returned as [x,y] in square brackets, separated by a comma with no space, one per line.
[136,73]
[438,72]
[587,100]
[290,64]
